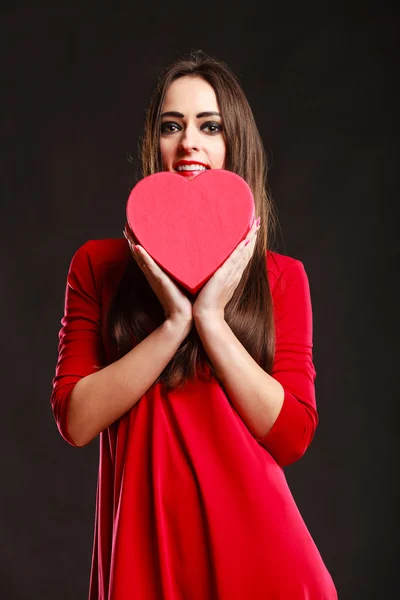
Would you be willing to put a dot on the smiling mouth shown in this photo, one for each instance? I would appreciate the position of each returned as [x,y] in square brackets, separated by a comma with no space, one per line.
[190,168]
[195,167]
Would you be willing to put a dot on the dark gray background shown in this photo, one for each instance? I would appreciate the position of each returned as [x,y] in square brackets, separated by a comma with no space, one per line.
[75,85]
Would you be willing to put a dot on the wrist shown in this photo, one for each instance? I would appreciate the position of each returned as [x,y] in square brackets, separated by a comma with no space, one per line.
[208,317]
[179,325]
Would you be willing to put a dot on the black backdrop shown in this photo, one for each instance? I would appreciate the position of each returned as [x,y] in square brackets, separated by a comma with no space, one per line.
[75,85]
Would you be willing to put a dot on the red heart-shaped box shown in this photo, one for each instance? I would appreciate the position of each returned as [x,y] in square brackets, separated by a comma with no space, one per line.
[190,227]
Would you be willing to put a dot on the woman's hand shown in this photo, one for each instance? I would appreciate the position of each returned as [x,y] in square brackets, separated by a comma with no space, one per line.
[177,307]
[219,289]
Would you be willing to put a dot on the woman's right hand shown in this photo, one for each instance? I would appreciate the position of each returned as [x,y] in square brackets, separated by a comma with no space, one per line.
[177,307]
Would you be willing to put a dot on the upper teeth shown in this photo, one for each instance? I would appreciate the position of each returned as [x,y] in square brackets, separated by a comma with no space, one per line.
[190,168]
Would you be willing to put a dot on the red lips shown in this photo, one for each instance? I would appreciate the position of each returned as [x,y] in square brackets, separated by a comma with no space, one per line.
[190,162]
[192,173]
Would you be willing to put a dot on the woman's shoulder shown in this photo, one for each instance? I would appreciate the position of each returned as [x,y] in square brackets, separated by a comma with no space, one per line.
[278,263]
[282,268]
[100,261]
[105,251]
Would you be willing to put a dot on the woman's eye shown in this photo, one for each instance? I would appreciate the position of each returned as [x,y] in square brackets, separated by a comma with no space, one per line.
[169,127]
[212,127]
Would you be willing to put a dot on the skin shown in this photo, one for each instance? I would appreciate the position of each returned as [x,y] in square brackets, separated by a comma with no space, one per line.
[192,138]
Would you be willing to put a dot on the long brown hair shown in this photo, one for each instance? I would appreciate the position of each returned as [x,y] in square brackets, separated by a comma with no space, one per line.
[136,310]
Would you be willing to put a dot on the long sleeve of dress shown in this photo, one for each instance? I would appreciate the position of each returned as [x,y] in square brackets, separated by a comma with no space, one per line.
[293,367]
[80,348]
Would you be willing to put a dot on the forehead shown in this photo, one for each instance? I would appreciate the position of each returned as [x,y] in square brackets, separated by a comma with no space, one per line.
[190,95]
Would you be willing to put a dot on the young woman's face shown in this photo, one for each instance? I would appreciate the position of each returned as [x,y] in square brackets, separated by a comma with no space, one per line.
[191,136]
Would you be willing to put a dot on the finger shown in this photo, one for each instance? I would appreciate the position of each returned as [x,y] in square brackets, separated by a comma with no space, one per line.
[134,251]
[131,244]
[126,235]
[146,261]
[255,227]
[251,245]
[129,235]
[141,256]
[255,224]
[236,257]
[129,241]
[247,250]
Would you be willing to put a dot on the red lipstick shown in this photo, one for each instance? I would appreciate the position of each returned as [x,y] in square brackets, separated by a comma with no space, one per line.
[191,173]
[190,162]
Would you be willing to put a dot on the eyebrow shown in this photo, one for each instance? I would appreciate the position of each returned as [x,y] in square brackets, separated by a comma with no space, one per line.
[179,115]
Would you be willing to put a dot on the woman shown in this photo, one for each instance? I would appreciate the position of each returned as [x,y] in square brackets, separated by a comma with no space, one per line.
[199,401]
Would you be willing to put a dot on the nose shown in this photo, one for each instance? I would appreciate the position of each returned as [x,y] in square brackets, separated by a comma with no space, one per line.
[190,140]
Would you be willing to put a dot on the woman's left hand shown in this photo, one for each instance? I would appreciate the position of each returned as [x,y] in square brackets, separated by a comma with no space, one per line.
[219,289]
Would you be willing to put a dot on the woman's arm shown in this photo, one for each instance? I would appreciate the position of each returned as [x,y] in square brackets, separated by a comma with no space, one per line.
[257,396]
[278,409]
[102,397]
[88,394]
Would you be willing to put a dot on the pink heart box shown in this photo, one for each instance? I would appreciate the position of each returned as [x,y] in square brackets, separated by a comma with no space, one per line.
[190,227]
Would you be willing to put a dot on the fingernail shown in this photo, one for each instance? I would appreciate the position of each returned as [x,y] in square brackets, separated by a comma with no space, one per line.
[258,221]
[246,243]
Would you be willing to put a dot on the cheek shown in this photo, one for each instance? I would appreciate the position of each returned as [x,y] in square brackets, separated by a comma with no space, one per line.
[220,155]
[166,153]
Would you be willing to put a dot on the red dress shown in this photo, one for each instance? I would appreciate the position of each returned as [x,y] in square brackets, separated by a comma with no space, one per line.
[191,506]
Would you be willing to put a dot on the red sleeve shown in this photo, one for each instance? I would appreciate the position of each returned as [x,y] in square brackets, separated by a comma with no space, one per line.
[293,367]
[80,349]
